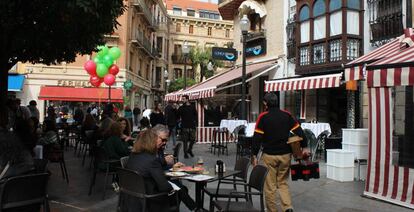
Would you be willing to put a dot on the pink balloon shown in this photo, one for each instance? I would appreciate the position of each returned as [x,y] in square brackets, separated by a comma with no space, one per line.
[95,81]
[114,70]
[109,79]
[90,67]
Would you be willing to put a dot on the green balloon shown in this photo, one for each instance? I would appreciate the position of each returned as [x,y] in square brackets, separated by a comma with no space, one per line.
[115,52]
[101,70]
[103,50]
[97,59]
[107,60]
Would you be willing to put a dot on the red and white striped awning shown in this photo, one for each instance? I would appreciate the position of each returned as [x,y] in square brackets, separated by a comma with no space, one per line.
[174,96]
[354,73]
[389,77]
[304,83]
[200,94]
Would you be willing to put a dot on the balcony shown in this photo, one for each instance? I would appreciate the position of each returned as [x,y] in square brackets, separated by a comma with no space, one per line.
[156,52]
[387,27]
[179,59]
[228,8]
[254,35]
[142,42]
[143,9]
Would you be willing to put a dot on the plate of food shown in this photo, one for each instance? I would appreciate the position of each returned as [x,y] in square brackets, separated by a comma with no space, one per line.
[174,169]
[176,174]
[190,169]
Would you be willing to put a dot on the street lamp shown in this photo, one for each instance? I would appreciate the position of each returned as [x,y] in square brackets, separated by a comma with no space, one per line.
[244,27]
[165,80]
[186,51]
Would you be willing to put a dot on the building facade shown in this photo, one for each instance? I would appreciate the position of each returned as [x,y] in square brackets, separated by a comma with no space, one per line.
[198,23]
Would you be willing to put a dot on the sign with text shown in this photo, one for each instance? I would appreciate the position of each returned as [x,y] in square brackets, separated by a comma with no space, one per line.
[74,83]
[228,54]
[256,47]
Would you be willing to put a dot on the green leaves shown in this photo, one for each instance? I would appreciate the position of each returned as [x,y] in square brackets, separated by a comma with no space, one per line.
[179,84]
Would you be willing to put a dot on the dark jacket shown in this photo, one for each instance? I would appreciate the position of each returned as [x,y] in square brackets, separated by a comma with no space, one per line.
[170,116]
[157,118]
[115,148]
[188,116]
[272,132]
[155,181]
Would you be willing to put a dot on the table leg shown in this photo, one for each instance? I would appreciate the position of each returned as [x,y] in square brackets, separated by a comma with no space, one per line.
[198,193]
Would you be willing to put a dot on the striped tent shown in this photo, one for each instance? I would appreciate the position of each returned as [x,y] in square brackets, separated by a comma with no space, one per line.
[386,180]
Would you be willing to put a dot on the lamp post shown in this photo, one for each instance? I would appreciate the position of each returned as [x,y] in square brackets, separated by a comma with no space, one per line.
[244,27]
[165,81]
[186,51]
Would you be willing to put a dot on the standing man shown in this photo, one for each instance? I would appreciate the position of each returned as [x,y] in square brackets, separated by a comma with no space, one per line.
[171,120]
[272,131]
[33,109]
[136,112]
[188,116]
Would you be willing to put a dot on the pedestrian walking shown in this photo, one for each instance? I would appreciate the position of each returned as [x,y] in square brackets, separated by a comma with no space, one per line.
[188,115]
[171,120]
[272,131]
[136,112]
[33,109]
[157,116]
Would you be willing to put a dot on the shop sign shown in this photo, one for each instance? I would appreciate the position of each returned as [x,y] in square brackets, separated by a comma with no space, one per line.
[256,47]
[73,83]
[128,85]
[228,54]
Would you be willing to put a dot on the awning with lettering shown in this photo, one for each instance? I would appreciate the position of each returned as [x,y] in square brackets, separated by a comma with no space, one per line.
[73,94]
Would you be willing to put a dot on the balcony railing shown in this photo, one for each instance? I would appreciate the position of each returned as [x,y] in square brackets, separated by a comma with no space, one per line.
[143,42]
[179,59]
[142,7]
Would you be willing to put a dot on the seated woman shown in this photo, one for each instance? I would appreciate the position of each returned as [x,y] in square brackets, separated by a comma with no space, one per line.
[126,130]
[144,160]
[89,124]
[50,135]
[114,147]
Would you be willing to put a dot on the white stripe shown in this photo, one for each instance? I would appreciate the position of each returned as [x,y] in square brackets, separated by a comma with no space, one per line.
[391,169]
[405,73]
[376,81]
[382,139]
[347,74]
[400,183]
[410,185]
[374,137]
[390,77]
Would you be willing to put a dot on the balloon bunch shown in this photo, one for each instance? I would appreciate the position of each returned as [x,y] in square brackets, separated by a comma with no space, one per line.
[101,68]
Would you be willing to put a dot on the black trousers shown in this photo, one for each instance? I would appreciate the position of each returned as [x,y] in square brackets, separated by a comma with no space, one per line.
[188,137]
[183,196]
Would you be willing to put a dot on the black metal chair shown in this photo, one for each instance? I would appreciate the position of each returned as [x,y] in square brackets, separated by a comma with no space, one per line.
[176,152]
[101,163]
[55,154]
[220,141]
[256,181]
[89,142]
[40,165]
[124,161]
[320,146]
[24,193]
[242,165]
[132,185]
[312,141]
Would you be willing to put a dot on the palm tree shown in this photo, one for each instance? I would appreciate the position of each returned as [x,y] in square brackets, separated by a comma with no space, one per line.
[201,57]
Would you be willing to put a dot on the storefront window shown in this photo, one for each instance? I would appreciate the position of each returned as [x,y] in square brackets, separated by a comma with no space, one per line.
[403,123]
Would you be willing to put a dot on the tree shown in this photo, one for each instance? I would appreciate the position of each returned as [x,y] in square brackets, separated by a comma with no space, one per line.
[201,57]
[50,32]
[179,84]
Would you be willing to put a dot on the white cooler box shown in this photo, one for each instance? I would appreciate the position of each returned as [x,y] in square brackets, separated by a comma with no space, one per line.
[360,150]
[342,174]
[340,158]
[355,136]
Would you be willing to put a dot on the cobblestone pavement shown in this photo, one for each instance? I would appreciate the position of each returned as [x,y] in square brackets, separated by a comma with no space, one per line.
[314,195]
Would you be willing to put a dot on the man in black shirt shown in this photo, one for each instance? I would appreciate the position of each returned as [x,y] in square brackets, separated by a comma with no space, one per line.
[188,115]
[171,120]
[272,131]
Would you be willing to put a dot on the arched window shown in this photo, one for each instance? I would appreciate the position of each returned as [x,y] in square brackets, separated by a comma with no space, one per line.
[319,24]
[352,16]
[335,5]
[336,17]
[304,24]
[353,4]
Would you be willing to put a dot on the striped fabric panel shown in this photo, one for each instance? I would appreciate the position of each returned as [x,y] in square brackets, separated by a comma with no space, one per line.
[354,73]
[205,135]
[390,77]
[304,83]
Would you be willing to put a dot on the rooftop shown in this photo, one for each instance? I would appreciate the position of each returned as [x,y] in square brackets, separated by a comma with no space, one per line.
[193,4]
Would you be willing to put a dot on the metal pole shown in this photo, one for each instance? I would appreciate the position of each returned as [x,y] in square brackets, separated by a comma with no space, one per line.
[243,97]
[185,71]
[109,94]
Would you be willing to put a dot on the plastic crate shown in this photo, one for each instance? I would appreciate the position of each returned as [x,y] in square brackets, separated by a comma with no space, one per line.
[340,158]
[342,174]
[355,136]
[360,151]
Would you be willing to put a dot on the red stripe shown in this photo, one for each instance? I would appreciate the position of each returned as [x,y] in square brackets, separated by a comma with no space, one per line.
[314,83]
[369,139]
[378,141]
[370,79]
[397,76]
[327,82]
[387,142]
[405,184]
[395,182]
[352,74]
[383,77]
[411,76]
[320,83]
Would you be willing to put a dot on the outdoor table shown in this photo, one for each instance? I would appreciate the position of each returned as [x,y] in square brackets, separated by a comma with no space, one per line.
[250,129]
[201,181]
[317,128]
[232,124]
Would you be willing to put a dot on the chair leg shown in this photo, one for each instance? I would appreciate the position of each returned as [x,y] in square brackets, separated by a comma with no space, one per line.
[61,169]
[84,154]
[46,207]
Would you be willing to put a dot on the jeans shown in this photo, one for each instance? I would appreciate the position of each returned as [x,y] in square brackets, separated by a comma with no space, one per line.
[188,138]
[173,134]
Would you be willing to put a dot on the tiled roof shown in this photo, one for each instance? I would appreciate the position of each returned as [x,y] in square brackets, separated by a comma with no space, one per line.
[193,4]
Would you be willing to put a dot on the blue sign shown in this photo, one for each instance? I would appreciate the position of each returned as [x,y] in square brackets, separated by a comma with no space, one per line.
[256,47]
[224,54]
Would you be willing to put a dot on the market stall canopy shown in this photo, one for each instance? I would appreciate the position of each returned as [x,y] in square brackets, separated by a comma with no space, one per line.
[304,83]
[15,82]
[249,5]
[354,69]
[208,88]
[79,94]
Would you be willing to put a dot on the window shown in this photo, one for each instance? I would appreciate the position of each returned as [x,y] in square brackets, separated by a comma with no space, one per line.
[191,29]
[403,120]
[304,24]
[336,17]
[178,73]
[255,22]
[335,5]
[209,31]
[177,11]
[210,15]
[319,23]
[178,27]
[227,33]
[385,19]
[147,72]
[319,8]
[353,4]
[190,12]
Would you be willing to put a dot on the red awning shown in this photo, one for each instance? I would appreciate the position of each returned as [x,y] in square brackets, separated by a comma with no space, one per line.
[80,94]
[304,83]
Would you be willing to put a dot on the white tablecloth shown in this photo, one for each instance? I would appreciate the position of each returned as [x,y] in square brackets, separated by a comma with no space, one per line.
[250,129]
[317,128]
[232,124]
